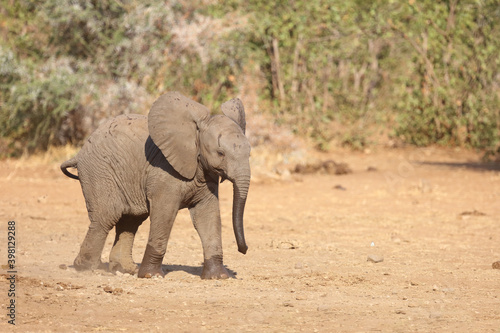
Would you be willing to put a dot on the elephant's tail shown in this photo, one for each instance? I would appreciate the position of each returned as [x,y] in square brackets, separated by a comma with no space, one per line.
[71,163]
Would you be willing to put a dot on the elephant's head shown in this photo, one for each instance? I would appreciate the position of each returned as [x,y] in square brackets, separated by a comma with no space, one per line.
[187,135]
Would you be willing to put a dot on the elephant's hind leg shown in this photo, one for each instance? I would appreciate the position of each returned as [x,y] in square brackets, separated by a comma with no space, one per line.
[89,257]
[120,258]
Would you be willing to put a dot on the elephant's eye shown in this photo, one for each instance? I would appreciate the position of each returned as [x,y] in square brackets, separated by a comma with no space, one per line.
[220,153]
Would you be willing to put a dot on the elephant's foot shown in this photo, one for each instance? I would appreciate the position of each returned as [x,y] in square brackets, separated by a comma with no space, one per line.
[86,262]
[119,262]
[123,267]
[149,271]
[151,263]
[213,269]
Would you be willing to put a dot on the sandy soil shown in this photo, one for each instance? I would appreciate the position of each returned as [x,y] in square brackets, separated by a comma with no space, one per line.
[432,215]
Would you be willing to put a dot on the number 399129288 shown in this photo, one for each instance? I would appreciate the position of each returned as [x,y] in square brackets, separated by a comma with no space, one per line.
[11,244]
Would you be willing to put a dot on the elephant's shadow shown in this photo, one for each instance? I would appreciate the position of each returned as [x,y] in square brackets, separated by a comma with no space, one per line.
[193,270]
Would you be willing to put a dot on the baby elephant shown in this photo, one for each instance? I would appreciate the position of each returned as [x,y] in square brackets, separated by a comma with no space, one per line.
[135,166]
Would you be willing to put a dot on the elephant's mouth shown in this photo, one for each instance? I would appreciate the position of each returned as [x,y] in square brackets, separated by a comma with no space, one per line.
[221,173]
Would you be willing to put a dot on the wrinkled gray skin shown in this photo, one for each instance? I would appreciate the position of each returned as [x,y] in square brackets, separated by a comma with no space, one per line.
[135,166]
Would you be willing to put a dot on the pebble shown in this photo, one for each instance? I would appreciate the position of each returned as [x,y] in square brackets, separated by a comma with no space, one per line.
[63,266]
[323,307]
[108,289]
[496,265]
[375,258]
[117,291]
[211,300]
[299,265]
[339,187]
[285,244]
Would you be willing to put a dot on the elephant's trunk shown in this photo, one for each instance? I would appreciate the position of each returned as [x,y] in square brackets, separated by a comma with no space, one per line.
[240,191]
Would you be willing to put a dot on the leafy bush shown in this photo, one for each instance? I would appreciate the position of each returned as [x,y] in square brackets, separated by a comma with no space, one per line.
[35,104]
[329,70]
[451,97]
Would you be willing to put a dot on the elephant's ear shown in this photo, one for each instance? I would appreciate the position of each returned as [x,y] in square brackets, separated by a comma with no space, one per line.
[234,109]
[173,124]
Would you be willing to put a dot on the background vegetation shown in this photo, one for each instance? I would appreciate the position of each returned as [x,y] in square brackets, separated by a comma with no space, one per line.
[342,72]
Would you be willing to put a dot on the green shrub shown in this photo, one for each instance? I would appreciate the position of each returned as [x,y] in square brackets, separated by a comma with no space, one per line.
[451,96]
[35,103]
[329,70]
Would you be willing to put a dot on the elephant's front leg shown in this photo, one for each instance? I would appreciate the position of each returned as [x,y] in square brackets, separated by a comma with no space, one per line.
[206,220]
[163,213]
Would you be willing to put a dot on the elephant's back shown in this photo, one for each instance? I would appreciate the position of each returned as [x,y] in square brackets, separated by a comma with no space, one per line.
[118,141]
[120,130]
[112,162]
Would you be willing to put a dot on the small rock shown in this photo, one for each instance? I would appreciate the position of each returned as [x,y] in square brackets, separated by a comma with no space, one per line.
[299,265]
[435,288]
[399,311]
[288,304]
[108,289]
[339,187]
[371,169]
[63,266]
[117,291]
[323,307]
[496,265]
[285,244]
[59,287]
[472,213]
[211,300]
[375,258]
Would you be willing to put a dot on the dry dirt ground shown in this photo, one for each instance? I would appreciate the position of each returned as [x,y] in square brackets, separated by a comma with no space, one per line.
[432,215]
